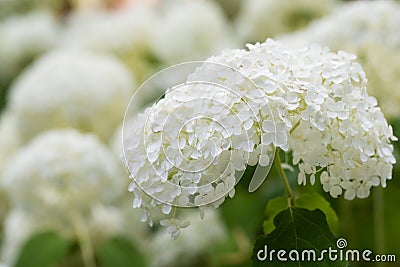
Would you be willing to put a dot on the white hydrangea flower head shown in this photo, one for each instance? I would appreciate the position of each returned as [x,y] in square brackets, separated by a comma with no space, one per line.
[70,172]
[259,19]
[329,121]
[192,243]
[192,146]
[24,37]
[71,89]
[126,33]
[189,147]
[368,29]
[191,30]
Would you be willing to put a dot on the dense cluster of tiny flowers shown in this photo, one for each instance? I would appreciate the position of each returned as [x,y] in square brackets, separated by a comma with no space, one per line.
[368,29]
[324,115]
[259,19]
[74,89]
[187,148]
[70,171]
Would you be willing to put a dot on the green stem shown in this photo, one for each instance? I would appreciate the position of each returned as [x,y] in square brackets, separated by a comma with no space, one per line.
[379,221]
[294,127]
[85,243]
[282,174]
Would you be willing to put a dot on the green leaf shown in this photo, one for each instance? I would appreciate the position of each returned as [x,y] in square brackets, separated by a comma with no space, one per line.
[120,252]
[312,201]
[274,206]
[300,230]
[43,249]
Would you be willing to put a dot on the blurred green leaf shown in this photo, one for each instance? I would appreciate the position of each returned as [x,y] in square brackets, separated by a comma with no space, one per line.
[312,201]
[120,252]
[44,249]
[299,229]
[274,206]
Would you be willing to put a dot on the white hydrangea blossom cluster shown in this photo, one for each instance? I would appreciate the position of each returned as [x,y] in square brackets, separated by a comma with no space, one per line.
[75,89]
[328,120]
[259,19]
[186,149]
[69,172]
[368,29]
[191,30]
[24,37]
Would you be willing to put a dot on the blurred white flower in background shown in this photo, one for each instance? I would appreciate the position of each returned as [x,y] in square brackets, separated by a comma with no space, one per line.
[191,30]
[69,171]
[259,19]
[103,222]
[64,180]
[22,38]
[369,29]
[75,89]
[126,33]
[148,36]
[193,243]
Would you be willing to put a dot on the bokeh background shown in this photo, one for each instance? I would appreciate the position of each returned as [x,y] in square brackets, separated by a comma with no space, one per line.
[67,71]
